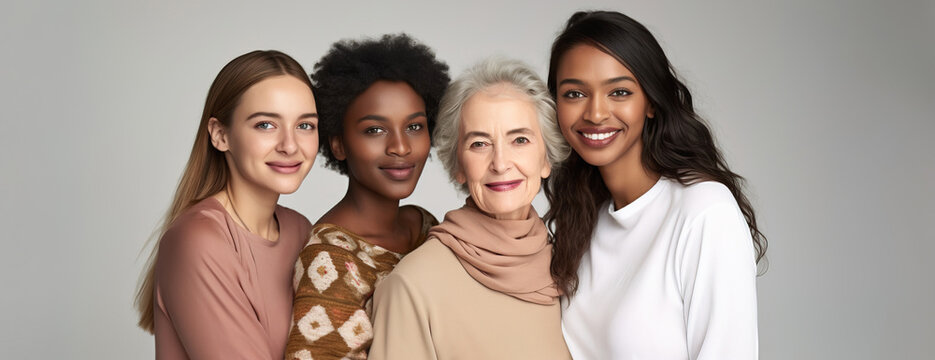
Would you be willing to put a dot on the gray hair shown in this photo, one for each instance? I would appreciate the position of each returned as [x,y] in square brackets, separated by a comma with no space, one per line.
[484,75]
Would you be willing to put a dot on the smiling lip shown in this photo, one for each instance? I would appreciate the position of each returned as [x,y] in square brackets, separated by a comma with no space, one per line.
[598,137]
[285,167]
[399,172]
[504,185]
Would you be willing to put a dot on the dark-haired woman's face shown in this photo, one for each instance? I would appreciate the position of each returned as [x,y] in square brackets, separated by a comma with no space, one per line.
[386,139]
[601,107]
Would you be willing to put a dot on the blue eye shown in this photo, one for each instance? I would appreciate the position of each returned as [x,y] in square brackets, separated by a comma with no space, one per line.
[573,94]
[264,125]
[307,126]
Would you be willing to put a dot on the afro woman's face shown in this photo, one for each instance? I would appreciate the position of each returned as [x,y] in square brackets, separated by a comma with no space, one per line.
[386,139]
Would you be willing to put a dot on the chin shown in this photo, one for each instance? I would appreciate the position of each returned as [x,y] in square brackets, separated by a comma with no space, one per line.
[399,194]
[284,188]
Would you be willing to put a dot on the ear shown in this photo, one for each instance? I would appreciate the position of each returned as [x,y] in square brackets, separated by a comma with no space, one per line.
[547,169]
[337,148]
[650,111]
[218,134]
[460,177]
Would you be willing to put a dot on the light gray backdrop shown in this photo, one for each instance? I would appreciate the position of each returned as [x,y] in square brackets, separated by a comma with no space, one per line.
[825,106]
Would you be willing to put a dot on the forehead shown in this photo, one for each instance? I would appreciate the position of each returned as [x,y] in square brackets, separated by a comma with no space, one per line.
[586,62]
[277,91]
[498,110]
[388,96]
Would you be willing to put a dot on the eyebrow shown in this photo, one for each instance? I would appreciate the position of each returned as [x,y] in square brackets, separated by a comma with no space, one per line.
[277,116]
[605,82]
[412,116]
[511,132]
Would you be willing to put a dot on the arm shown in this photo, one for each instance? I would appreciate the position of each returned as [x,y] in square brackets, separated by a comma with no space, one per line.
[324,303]
[401,322]
[198,290]
[718,284]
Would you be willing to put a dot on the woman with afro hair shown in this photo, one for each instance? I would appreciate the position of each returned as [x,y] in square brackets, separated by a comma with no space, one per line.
[379,102]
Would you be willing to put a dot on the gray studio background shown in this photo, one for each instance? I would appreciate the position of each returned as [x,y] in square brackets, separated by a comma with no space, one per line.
[826,107]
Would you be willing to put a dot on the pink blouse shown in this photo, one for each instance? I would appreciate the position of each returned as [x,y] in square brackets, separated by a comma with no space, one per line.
[221,291]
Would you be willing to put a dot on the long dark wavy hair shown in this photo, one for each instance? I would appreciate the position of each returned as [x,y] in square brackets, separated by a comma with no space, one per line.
[676,142]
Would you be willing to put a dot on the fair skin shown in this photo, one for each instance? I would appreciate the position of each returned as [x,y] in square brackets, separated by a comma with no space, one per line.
[601,111]
[270,147]
[501,152]
[385,144]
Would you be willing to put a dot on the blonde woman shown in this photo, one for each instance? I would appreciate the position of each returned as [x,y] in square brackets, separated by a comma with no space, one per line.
[219,281]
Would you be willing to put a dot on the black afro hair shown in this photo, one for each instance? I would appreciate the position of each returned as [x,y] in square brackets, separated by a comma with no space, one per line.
[351,66]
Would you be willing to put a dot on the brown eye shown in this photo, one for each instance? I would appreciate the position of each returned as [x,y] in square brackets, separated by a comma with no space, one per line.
[573,94]
[374,130]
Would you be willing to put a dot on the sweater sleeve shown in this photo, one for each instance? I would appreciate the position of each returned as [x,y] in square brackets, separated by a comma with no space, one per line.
[198,289]
[329,317]
[718,283]
[401,322]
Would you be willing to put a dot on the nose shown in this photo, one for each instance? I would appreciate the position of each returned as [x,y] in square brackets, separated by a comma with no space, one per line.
[287,144]
[597,110]
[397,144]
[502,160]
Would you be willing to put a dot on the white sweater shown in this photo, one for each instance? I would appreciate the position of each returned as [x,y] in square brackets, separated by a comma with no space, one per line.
[669,276]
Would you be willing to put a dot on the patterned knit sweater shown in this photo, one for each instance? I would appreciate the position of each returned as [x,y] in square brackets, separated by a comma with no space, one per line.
[335,277]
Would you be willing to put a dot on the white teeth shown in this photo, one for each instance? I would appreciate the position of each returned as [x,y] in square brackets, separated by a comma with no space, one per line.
[599,136]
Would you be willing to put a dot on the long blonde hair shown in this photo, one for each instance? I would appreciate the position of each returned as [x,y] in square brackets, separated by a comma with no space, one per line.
[207,173]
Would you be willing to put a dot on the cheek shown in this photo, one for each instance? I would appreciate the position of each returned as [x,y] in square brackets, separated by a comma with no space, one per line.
[421,145]
[244,146]
[360,148]
[310,145]
[472,166]
[568,113]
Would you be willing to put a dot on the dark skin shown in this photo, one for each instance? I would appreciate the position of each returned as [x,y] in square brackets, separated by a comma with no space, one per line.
[385,144]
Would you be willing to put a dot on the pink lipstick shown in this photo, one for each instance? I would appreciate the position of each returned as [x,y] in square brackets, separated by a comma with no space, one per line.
[284,167]
[504,185]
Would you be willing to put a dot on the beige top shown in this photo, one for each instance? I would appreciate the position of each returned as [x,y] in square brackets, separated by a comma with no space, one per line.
[223,292]
[429,307]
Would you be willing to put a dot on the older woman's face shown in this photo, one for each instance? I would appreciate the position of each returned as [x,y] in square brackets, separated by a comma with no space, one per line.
[501,152]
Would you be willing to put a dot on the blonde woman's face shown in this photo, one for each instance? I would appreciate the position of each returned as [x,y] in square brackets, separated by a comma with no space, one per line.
[272,140]
[501,152]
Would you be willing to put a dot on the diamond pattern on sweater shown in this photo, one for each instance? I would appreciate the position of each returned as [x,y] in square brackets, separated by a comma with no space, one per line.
[315,324]
[322,271]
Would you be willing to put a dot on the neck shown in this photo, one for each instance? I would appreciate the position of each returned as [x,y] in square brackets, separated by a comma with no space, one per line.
[253,207]
[627,179]
[381,213]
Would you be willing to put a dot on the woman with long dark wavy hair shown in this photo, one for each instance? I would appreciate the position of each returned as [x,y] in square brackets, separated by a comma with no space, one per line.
[656,243]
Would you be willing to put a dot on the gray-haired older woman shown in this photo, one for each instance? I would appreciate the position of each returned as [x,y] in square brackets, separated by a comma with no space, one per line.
[480,286]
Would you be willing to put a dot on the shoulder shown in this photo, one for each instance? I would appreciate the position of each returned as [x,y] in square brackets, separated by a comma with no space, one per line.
[695,200]
[429,263]
[331,238]
[417,216]
[420,221]
[201,228]
[292,218]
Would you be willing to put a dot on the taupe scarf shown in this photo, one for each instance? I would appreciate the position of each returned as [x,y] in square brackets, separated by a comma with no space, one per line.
[509,256]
